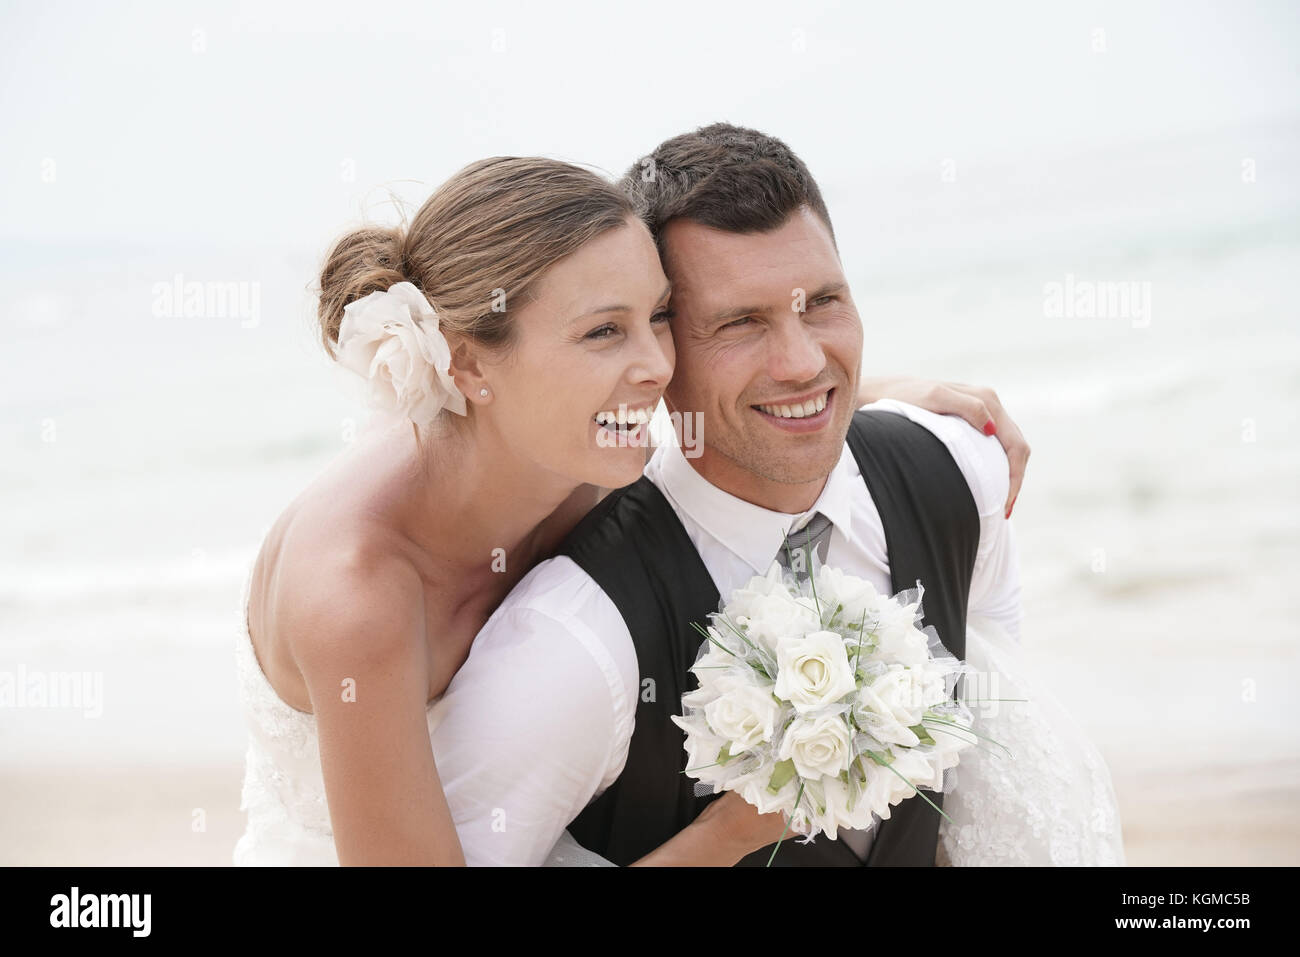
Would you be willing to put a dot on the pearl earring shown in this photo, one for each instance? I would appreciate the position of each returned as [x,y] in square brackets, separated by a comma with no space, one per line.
[483,392]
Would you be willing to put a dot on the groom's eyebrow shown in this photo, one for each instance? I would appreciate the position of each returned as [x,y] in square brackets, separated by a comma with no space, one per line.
[825,289]
[739,311]
[620,308]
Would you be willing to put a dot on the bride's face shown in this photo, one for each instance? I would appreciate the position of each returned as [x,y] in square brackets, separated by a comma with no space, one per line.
[594,340]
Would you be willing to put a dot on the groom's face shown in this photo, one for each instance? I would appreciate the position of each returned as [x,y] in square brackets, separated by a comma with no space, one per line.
[766,333]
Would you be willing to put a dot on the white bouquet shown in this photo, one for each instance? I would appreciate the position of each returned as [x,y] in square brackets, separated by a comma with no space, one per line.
[822,699]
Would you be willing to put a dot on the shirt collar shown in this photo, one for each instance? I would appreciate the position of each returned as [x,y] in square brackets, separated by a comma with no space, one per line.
[753,533]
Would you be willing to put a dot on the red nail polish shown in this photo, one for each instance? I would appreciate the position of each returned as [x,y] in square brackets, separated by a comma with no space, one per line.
[990,428]
[1011,506]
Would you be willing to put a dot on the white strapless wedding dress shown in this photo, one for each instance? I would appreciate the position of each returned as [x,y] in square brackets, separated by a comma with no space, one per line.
[288,822]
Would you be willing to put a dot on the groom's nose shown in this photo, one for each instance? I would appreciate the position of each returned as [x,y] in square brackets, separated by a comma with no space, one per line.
[794,353]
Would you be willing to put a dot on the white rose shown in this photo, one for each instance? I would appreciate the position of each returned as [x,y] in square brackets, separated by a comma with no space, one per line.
[880,789]
[838,814]
[919,770]
[759,586]
[898,640]
[818,746]
[702,750]
[720,652]
[857,596]
[744,713]
[813,671]
[891,704]
[777,618]
[753,787]
[702,754]
[930,684]
[886,787]
[391,339]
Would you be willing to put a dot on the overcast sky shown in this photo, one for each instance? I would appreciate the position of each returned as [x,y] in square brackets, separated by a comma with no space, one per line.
[274,123]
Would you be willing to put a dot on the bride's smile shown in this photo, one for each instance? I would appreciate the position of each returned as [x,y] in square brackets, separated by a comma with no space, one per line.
[626,426]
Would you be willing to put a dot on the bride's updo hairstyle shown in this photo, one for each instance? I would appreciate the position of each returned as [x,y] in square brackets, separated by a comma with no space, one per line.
[477,246]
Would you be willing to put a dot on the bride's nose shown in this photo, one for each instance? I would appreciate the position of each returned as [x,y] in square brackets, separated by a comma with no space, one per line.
[651,362]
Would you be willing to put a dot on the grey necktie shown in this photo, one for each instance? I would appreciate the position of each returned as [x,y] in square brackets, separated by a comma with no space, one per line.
[796,550]
[796,554]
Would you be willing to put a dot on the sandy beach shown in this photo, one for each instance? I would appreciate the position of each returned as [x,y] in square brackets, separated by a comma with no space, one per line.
[1217,815]
[96,817]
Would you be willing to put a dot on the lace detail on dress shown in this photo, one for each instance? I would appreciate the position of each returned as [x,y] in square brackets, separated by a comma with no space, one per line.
[1051,801]
[284,790]
[284,787]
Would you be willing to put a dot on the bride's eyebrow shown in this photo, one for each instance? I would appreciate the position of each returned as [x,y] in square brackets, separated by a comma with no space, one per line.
[618,307]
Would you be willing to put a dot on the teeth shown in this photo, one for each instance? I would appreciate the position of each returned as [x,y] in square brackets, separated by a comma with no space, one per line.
[799,410]
[625,416]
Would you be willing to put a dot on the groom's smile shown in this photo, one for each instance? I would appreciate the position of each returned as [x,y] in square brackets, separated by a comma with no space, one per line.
[805,413]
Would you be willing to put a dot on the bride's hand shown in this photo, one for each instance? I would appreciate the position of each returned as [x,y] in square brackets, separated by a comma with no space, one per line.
[978,405]
[735,822]
[726,830]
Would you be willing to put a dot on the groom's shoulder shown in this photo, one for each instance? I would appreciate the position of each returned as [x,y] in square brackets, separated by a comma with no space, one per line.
[620,517]
[558,605]
[556,589]
[980,458]
[538,717]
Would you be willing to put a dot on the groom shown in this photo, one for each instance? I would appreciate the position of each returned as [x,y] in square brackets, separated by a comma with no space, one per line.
[561,715]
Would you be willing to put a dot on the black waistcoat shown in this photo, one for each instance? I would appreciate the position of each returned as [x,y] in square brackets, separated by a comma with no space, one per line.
[634,546]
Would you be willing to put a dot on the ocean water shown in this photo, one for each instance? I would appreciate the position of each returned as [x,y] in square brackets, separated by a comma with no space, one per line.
[144,452]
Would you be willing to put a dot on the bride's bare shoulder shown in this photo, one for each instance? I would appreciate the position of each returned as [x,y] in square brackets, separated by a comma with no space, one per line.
[349,605]
[335,569]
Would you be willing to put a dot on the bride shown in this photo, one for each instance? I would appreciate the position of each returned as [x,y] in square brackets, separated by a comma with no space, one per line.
[369,589]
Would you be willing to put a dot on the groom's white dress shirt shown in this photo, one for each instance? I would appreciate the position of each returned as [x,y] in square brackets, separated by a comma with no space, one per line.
[536,723]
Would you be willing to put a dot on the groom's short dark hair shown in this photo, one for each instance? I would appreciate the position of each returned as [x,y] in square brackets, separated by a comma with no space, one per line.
[725,177]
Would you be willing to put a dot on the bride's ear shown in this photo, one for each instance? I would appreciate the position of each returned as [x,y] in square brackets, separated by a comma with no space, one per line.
[467,370]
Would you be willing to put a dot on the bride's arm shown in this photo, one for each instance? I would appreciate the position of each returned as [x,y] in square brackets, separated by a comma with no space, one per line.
[978,405]
[726,830]
[357,638]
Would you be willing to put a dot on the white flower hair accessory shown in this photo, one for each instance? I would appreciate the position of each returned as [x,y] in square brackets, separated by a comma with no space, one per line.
[391,339]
